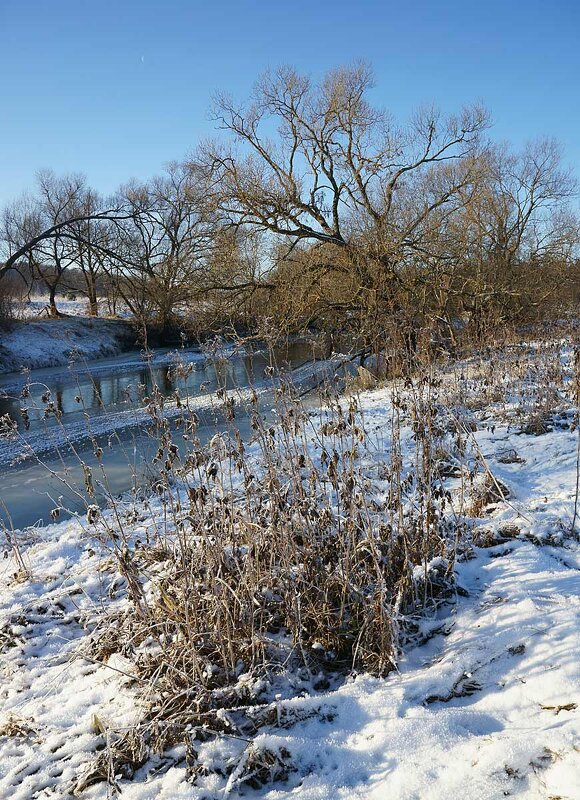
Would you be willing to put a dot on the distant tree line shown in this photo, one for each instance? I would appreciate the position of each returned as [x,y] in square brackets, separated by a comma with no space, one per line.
[316,209]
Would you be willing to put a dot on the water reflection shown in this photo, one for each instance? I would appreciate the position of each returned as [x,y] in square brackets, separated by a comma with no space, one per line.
[28,491]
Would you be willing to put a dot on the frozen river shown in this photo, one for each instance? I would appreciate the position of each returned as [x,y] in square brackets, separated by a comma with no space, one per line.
[107,395]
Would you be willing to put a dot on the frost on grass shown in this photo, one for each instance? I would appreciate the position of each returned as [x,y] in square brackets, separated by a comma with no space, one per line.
[373,599]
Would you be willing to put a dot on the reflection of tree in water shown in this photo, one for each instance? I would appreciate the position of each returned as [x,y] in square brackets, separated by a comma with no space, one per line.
[126,388]
[7,407]
[167,384]
[250,366]
[97,393]
[222,370]
[146,380]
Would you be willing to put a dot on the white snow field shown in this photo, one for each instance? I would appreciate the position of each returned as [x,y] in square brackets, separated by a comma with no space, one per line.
[487,707]
[38,306]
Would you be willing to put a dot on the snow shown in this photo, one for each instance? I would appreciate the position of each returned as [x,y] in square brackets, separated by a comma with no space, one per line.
[59,690]
[52,342]
[487,707]
[38,305]
[384,740]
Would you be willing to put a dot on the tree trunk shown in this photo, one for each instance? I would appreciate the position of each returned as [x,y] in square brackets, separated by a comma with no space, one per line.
[92,297]
[53,310]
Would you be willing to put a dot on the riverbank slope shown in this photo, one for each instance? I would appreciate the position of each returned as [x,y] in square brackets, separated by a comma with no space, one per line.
[34,344]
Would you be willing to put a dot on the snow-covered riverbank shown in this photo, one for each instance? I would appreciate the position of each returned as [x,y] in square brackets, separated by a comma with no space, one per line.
[47,343]
[487,707]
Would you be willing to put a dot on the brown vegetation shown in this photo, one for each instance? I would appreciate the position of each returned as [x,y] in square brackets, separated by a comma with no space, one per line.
[317,209]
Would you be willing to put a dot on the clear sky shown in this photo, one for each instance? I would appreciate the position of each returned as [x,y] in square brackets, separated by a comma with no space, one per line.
[116,88]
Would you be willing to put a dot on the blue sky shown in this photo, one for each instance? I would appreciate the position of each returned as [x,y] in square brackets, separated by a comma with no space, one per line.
[116,89]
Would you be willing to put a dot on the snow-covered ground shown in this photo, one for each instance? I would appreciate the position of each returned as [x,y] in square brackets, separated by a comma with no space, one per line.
[487,707]
[74,305]
[47,343]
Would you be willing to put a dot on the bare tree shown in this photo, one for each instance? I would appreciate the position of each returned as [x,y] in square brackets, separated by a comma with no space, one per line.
[341,174]
[48,258]
[162,246]
[21,221]
[518,231]
[89,241]
[322,210]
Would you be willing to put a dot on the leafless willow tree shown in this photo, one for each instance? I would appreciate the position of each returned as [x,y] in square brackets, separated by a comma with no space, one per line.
[55,202]
[89,245]
[162,245]
[319,166]
[519,236]
[318,208]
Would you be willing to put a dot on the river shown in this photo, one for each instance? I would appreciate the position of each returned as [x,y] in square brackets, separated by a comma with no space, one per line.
[107,395]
